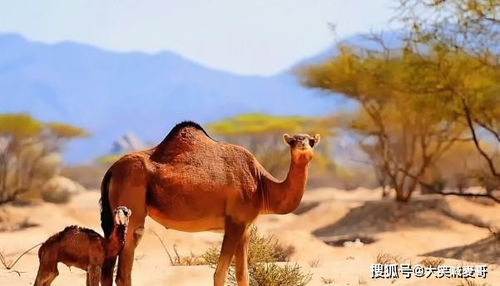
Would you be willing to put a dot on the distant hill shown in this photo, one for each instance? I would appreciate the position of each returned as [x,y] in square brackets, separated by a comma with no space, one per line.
[113,93]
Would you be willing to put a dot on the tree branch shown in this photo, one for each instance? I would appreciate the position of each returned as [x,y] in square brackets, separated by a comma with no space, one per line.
[490,196]
[470,123]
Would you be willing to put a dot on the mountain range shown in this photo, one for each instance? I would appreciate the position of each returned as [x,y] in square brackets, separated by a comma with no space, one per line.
[113,93]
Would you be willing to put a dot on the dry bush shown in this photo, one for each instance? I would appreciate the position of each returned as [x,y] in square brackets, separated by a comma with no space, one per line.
[326,280]
[260,249]
[274,274]
[88,176]
[432,261]
[264,253]
[9,264]
[177,260]
[387,258]
[314,263]
[56,197]
[470,282]
[362,281]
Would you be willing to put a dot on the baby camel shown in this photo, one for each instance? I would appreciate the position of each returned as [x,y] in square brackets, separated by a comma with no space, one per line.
[83,248]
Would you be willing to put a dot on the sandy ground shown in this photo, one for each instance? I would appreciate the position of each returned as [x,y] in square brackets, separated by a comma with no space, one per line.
[452,227]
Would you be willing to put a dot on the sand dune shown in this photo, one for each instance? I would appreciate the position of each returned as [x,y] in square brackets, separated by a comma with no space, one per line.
[451,227]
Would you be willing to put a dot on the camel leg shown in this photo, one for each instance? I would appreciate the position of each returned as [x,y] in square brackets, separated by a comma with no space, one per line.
[107,271]
[45,275]
[241,256]
[128,188]
[126,260]
[232,236]
[93,275]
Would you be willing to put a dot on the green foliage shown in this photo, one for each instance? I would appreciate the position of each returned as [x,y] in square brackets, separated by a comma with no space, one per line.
[29,154]
[258,123]
[262,134]
[459,39]
[407,119]
[19,125]
[108,159]
[62,130]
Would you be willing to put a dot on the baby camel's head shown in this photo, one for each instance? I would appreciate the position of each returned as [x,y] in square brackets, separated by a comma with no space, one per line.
[122,215]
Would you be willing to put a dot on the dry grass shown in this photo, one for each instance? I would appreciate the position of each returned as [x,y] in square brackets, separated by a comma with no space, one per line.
[260,249]
[274,274]
[362,281]
[470,282]
[326,280]
[387,258]
[315,263]
[177,260]
[264,255]
[432,262]
[9,264]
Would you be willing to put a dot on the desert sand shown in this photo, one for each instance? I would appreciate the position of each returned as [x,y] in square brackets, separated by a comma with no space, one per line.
[430,225]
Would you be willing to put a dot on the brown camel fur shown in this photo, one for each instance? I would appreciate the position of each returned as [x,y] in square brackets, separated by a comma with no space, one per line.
[190,182]
[82,248]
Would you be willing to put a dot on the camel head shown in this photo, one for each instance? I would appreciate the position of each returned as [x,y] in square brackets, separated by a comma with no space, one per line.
[122,215]
[301,146]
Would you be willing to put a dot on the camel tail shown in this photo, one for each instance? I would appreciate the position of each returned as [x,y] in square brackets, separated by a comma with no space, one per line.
[106,213]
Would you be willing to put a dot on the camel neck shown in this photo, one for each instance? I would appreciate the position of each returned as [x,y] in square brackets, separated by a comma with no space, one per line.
[285,196]
[116,240]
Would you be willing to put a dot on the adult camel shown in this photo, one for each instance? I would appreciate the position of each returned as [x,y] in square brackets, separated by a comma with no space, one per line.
[190,182]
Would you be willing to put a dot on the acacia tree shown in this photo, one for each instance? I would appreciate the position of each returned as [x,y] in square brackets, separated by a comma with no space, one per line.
[466,32]
[262,134]
[28,151]
[407,129]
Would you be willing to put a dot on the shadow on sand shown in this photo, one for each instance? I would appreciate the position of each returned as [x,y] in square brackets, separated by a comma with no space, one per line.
[382,216]
[486,250]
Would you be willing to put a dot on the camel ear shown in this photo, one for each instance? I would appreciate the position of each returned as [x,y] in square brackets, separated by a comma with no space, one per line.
[313,142]
[287,138]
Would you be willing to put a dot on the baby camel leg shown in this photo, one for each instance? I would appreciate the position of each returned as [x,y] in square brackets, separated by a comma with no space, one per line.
[232,236]
[46,274]
[107,271]
[93,275]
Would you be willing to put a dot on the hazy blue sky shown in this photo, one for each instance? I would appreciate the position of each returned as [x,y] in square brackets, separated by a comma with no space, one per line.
[242,36]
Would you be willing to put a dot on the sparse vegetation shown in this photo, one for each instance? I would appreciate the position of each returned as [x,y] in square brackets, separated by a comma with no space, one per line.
[56,197]
[260,249]
[177,260]
[274,274]
[326,280]
[471,282]
[387,258]
[29,155]
[315,263]
[9,264]
[264,255]
[267,262]
[432,262]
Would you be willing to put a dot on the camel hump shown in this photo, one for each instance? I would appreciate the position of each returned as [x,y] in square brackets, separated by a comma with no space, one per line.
[186,136]
[182,126]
